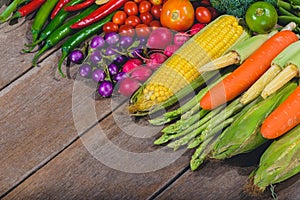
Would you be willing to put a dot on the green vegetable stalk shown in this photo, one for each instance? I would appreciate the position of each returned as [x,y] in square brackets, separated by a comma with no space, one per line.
[243,135]
[280,161]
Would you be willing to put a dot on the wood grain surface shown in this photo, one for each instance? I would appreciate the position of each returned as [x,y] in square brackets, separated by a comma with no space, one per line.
[36,117]
[77,173]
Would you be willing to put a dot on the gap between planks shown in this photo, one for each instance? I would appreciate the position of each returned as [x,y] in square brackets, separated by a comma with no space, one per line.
[55,154]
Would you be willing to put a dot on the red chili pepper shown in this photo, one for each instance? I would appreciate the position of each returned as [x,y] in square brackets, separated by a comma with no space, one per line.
[79,6]
[98,14]
[58,7]
[28,8]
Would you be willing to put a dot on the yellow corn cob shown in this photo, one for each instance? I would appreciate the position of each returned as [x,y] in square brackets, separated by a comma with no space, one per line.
[182,67]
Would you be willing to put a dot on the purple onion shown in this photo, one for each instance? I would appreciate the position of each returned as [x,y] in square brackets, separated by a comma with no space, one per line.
[97,42]
[113,69]
[120,76]
[76,56]
[112,38]
[85,70]
[96,57]
[126,41]
[98,75]
[105,89]
[120,60]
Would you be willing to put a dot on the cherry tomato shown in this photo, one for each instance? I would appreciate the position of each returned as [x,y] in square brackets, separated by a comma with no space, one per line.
[126,30]
[213,11]
[146,18]
[155,24]
[203,15]
[177,15]
[138,1]
[142,30]
[110,27]
[144,6]
[156,11]
[156,2]
[119,17]
[133,21]
[131,8]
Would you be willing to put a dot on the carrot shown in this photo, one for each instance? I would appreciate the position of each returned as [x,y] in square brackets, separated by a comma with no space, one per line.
[285,117]
[248,72]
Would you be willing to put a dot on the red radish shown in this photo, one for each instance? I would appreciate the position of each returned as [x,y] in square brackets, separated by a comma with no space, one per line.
[171,49]
[131,64]
[181,38]
[156,59]
[160,38]
[128,86]
[196,28]
[141,73]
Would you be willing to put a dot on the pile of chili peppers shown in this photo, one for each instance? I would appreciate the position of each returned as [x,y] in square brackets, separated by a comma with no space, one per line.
[60,23]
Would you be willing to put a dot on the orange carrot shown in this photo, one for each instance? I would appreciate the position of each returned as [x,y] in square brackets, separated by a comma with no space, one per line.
[283,118]
[248,72]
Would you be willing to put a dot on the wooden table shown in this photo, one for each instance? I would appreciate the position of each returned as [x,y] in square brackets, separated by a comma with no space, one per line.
[50,147]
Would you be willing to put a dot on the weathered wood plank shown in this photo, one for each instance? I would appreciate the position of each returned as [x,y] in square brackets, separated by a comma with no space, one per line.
[91,169]
[227,180]
[36,117]
[13,64]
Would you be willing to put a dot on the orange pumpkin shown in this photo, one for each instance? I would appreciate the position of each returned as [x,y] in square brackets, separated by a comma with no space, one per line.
[177,15]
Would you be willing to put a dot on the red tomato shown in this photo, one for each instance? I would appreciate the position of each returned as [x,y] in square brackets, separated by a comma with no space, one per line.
[142,30]
[155,24]
[213,11]
[203,15]
[146,18]
[144,6]
[119,17]
[156,11]
[110,27]
[137,1]
[126,30]
[133,21]
[177,15]
[156,2]
[131,8]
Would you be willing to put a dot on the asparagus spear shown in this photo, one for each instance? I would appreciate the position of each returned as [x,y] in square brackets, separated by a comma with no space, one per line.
[191,107]
[208,125]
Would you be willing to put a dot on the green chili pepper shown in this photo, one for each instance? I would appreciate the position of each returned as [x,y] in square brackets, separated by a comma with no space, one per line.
[61,16]
[72,42]
[4,16]
[62,32]
[41,18]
